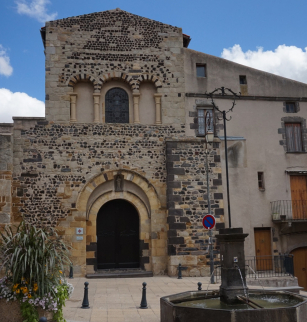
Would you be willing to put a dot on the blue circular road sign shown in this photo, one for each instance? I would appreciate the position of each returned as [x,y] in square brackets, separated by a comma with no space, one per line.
[209,222]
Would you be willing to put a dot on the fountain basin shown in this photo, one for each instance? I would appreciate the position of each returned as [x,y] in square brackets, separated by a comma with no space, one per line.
[205,306]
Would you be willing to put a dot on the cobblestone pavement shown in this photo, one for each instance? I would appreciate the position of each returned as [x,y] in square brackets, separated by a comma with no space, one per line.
[118,299]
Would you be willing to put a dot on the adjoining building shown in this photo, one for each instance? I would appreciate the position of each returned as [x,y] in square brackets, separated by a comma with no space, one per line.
[118,163]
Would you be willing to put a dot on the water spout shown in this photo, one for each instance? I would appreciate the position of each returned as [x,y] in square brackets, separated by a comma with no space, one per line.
[244,286]
[256,277]
[216,267]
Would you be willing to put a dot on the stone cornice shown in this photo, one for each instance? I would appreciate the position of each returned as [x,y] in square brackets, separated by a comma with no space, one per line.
[251,98]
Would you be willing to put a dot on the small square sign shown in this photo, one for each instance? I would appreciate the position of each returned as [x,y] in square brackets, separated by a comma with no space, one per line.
[79,231]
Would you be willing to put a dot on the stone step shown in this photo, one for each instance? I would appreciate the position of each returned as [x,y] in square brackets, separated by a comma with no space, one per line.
[120,274]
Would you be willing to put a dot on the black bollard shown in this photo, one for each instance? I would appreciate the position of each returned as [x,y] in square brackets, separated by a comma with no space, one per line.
[179,272]
[71,271]
[42,319]
[199,286]
[144,301]
[85,303]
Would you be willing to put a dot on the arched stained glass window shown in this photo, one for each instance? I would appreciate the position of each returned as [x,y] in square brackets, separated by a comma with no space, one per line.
[117,106]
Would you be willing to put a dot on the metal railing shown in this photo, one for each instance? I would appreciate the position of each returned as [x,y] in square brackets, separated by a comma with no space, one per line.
[266,266]
[289,210]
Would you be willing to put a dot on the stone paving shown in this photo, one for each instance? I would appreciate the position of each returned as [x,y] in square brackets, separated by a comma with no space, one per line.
[118,299]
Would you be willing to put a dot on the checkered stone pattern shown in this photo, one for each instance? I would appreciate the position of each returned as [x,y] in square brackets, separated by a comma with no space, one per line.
[188,241]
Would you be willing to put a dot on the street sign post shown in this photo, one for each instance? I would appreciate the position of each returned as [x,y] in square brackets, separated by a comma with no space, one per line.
[209,222]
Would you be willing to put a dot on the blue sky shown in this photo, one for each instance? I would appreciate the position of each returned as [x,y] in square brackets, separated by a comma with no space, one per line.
[269,35]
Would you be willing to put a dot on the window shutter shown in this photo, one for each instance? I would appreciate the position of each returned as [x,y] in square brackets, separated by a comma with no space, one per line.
[294,137]
[297,137]
[201,122]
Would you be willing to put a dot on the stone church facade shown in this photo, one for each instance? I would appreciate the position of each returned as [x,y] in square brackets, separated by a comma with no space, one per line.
[118,163]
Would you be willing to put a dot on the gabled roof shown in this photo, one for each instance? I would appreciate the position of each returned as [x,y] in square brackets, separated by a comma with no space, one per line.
[116,14]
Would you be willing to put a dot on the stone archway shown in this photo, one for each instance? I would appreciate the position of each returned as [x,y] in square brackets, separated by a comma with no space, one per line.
[134,189]
[74,79]
[118,241]
[133,177]
[91,229]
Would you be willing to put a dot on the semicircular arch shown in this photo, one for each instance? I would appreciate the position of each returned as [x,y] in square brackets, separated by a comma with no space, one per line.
[133,199]
[107,77]
[149,78]
[303,244]
[74,79]
[103,183]
[91,230]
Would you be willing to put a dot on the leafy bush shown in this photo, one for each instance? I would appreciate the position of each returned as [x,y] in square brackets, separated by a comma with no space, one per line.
[34,260]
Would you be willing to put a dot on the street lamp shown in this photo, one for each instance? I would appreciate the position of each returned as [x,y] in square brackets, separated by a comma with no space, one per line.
[224,93]
[209,136]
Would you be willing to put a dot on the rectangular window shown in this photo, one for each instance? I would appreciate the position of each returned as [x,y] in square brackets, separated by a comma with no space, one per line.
[294,137]
[243,80]
[201,70]
[205,121]
[260,181]
[290,107]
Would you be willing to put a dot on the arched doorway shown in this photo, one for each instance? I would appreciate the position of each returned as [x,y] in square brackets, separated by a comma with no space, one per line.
[300,265]
[118,235]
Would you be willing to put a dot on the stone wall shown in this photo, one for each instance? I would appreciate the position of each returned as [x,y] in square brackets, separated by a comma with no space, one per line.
[57,160]
[110,45]
[188,241]
[54,163]
[6,168]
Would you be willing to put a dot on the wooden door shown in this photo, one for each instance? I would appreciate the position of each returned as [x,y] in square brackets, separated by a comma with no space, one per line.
[300,266]
[118,235]
[264,259]
[299,196]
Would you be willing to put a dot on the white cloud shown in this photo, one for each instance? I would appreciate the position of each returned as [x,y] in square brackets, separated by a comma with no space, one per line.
[18,104]
[35,9]
[286,61]
[5,68]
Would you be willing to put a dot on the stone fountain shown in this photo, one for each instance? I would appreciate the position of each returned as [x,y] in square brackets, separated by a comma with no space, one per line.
[233,302]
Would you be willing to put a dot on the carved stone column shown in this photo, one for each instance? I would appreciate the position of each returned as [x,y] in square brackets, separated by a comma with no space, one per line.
[136,97]
[158,108]
[96,107]
[73,112]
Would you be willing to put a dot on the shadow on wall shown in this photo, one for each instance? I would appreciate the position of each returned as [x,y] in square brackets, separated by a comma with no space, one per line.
[237,155]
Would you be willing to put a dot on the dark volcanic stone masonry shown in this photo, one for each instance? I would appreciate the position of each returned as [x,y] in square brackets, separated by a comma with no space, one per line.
[112,38]
[187,199]
[72,153]
[113,45]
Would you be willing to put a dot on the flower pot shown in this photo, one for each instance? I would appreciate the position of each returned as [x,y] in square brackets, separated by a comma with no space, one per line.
[10,312]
